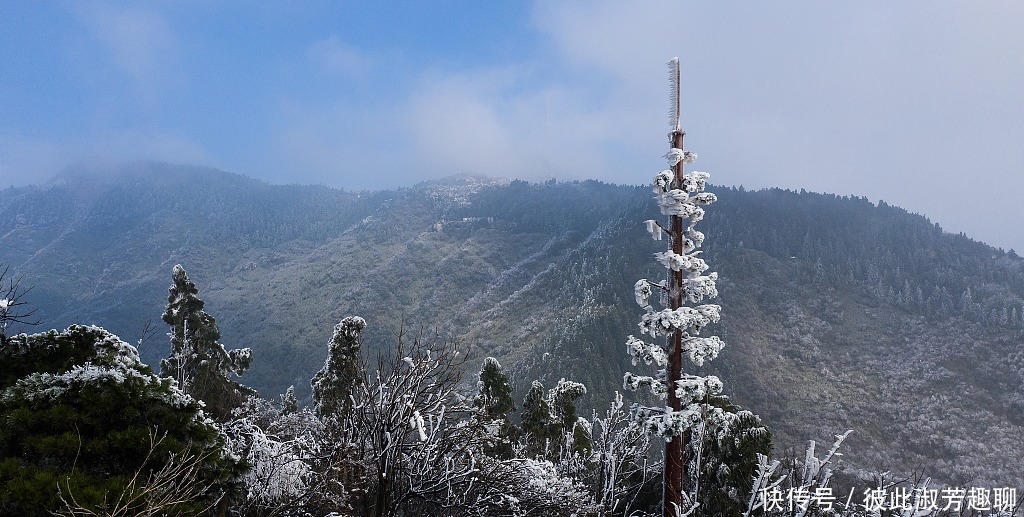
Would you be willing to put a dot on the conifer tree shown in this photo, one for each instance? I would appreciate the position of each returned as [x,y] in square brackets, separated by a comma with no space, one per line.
[83,419]
[198,361]
[495,393]
[562,400]
[494,403]
[535,419]
[722,453]
[333,384]
[289,403]
[547,417]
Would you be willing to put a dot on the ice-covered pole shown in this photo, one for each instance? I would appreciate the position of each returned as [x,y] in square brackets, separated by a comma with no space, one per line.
[681,197]
[675,449]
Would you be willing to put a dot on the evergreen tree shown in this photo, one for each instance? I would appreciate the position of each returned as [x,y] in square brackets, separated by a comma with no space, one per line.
[549,418]
[81,417]
[494,403]
[198,362]
[289,403]
[535,419]
[562,401]
[333,384]
[495,393]
[723,453]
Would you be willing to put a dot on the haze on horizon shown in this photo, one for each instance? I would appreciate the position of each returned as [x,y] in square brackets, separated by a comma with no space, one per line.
[917,103]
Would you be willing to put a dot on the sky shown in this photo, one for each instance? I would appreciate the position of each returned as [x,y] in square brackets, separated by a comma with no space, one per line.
[917,103]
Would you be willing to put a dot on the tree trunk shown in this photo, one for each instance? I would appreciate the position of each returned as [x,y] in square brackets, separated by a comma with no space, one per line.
[675,458]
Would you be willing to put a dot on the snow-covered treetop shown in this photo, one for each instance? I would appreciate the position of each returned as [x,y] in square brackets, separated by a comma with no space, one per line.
[107,349]
[99,359]
[350,327]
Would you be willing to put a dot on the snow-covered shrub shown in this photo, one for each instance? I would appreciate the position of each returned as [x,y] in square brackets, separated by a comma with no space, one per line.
[79,413]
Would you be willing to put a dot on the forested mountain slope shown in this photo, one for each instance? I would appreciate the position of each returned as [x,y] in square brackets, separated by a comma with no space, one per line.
[837,313]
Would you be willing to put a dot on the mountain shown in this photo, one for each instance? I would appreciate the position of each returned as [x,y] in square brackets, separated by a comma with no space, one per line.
[837,313]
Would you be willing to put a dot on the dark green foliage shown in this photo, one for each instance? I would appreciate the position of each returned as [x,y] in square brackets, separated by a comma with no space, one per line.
[730,446]
[333,384]
[78,410]
[547,417]
[494,403]
[535,419]
[495,395]
[199,363]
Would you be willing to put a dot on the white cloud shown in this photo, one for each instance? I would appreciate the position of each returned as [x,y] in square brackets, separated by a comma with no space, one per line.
[140,43]
[336,57]
[25,159]
[500,122]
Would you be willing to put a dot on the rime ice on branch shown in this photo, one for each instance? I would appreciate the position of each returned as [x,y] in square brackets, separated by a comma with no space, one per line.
[685,199]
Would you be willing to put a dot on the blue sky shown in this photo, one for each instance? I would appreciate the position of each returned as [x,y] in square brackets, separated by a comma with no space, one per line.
[919,103]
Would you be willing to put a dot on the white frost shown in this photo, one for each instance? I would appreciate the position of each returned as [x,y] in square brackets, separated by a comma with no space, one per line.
[416,421]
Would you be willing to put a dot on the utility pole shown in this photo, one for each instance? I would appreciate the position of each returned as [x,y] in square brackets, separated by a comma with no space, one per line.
[675,450]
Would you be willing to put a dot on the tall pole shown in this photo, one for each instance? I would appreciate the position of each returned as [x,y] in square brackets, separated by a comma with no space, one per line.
[675,450]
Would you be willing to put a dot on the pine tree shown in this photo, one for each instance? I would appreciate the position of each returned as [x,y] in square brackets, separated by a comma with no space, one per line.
[289,403]
[722,453]
[562,401]
[495,393]
[548,417]
[494,403]
[333,384]
[198,362]
[83,419]
[535,419]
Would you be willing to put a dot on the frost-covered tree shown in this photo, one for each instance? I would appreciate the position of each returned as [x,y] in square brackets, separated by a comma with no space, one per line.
[83,419]
[411,442]
[562,401]
[12,304]
[680,321]
[289,403]
[495,393]
[722,457]
[549,420]
[773,480]
[624,478]
[198,361]
[494,403]
[342,371]
[289,455]
[536,422]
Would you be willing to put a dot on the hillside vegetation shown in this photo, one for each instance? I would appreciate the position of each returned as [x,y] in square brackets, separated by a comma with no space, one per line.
[837,313]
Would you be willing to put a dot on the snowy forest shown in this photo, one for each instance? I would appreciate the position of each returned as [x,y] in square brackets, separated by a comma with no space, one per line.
[89,429]
[422,422]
